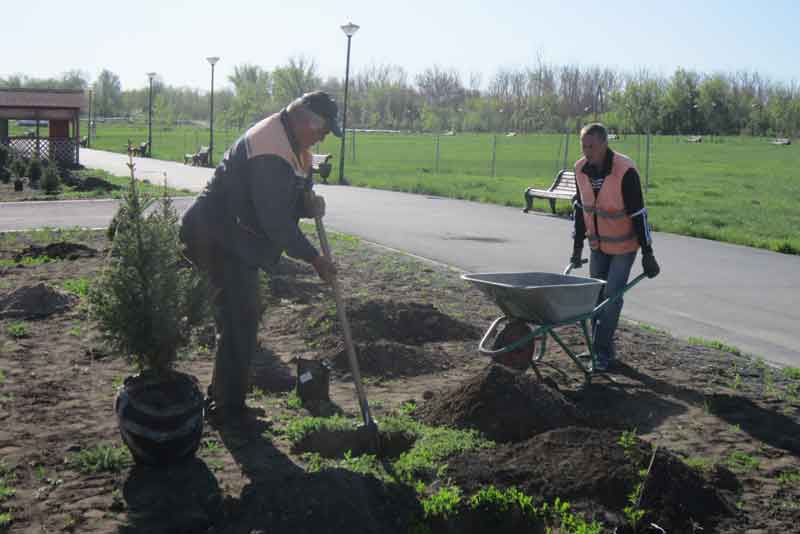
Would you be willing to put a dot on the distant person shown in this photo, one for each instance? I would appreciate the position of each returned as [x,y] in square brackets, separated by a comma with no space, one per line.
[244,219]
[610,213]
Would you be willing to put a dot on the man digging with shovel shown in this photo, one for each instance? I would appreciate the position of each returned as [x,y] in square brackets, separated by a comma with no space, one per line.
[244,219]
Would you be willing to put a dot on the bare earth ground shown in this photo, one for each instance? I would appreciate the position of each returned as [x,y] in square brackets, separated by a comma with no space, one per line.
[726,430]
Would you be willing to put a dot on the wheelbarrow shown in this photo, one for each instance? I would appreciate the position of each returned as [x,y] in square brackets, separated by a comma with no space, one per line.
[535,306]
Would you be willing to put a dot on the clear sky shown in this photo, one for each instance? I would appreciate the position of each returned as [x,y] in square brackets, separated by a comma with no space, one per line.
[45,38]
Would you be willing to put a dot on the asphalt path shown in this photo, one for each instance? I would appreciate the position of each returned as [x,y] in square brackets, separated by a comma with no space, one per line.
[740,296]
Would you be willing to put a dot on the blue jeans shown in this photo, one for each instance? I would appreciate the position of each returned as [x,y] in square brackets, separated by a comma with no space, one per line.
[615,270]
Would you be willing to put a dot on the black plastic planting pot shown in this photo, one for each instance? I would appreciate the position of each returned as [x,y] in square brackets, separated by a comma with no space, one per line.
[160,417]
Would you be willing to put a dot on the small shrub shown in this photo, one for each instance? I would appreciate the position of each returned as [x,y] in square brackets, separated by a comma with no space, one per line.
[19,167]
[298,429]
[5,159]
[101,458]
[77,286]
[741,462]
[35,170]
[5,155]
[792,373]
[145,304]
[789,478]
[17,330]
[444,503]
[51,180]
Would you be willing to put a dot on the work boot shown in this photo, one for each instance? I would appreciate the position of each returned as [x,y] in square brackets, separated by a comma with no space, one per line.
[603,362]
[219,415]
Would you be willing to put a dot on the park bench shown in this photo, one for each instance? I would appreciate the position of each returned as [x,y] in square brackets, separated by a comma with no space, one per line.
[563,187]
[198,159]
[141,150]
[782,141]
[694,139]
[321,164]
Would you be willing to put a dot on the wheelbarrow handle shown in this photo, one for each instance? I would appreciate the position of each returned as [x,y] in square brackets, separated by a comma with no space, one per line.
[619,294]
[612,298]
[569,267]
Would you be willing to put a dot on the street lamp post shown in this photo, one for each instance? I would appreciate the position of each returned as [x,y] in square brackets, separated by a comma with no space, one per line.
[212,61]
[349,30]
[150,75]
[89,123]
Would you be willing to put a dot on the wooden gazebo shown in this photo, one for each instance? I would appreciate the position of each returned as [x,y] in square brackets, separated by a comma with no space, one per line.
[60,108]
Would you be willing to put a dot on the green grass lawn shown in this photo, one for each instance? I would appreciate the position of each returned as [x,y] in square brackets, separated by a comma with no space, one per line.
[738,189]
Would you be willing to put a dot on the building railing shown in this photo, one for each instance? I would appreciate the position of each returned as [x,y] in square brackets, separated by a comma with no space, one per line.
[63,150]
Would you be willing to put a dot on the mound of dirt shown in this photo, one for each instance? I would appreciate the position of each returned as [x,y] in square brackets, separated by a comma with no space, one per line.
[504,405]
[93,183]
[333,500]
[591,469]
[290,288]
[62,250]
[32,302]
[405,322]
[388,359]
[336,443]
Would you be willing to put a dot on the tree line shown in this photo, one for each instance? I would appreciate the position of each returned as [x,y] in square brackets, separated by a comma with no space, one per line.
[537,98]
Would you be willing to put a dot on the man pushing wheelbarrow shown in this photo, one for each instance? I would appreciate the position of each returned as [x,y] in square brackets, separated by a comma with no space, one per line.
[610,212]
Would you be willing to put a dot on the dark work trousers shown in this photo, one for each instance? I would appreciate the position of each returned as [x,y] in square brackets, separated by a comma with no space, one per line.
[236,312]
[614,269]
[235,290]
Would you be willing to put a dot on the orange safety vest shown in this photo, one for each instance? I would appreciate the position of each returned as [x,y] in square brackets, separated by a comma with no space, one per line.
[269,137]
[608,228]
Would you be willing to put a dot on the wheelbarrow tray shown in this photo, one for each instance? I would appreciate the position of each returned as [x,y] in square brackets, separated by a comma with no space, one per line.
[543,298]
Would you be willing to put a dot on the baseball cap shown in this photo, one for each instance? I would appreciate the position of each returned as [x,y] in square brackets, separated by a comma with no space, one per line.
[323,105]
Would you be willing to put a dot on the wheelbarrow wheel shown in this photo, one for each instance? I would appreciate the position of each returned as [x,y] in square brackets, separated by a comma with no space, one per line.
[520,358]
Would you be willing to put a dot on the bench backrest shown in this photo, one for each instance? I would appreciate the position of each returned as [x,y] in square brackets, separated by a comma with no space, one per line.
[564,182]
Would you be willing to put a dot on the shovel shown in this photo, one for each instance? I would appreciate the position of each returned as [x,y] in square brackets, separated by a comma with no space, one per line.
[369,423]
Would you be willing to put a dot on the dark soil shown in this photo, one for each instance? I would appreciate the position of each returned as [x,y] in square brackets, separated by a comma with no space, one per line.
[503,405]
[410,323]
[61,251]
[389,359]
[93,183]
[416,328]
[335,443]
[35,302]
[593,471]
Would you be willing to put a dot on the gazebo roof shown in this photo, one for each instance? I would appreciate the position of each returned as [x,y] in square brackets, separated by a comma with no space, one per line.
[41,103]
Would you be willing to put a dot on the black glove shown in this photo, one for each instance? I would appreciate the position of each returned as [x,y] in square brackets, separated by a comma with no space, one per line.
[577,258]
[650,265]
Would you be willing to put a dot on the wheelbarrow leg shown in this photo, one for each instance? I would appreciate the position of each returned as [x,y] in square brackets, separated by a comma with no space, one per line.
[587,372]
[589,344]
[536,370]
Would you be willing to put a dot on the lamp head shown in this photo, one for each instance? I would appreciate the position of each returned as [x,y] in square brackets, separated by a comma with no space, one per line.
[350,29]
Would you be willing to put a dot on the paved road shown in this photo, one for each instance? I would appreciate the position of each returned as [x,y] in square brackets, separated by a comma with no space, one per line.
[738,295]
